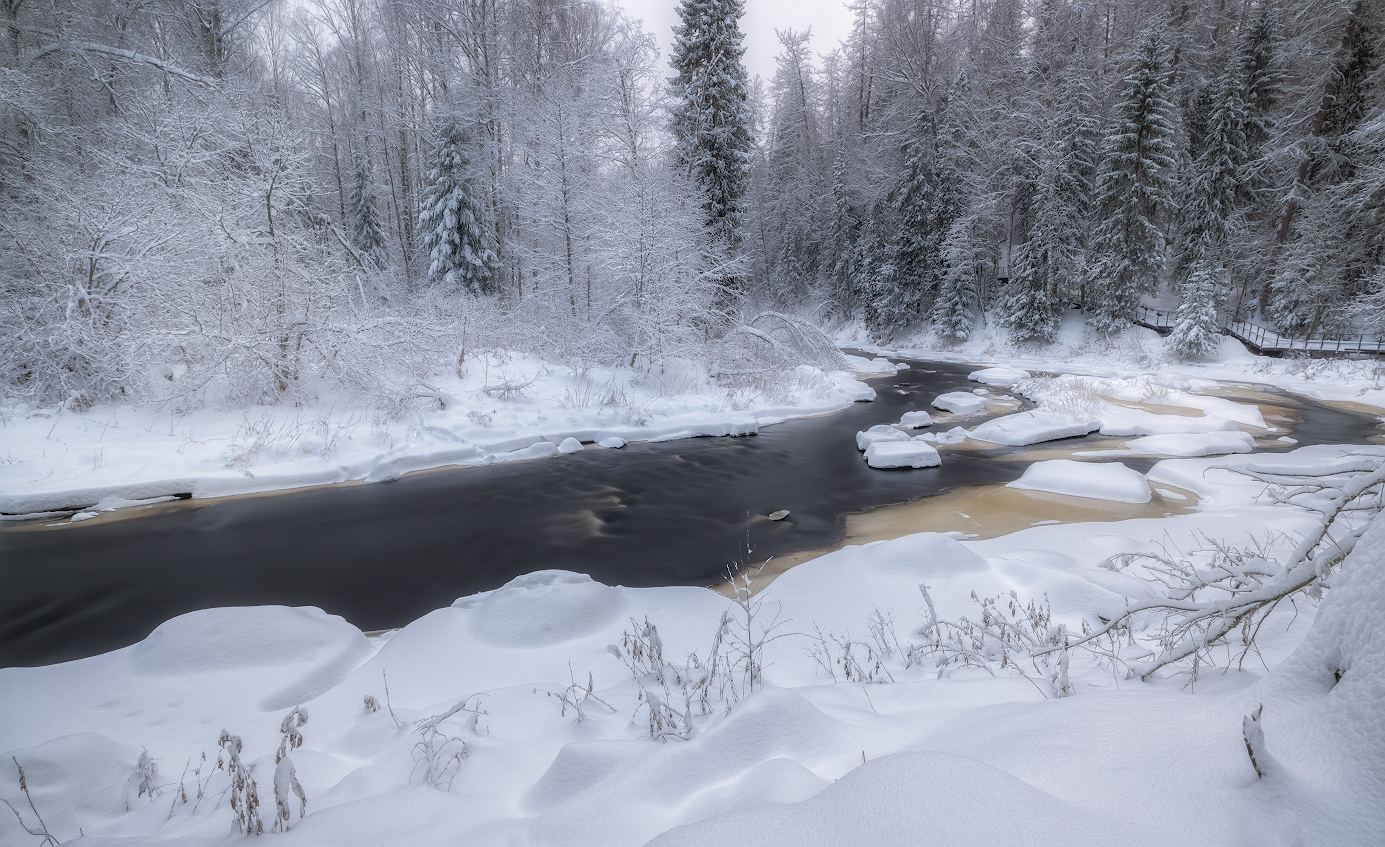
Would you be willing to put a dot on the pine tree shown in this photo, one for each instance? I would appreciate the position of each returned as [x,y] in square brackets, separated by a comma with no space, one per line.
[958,291]
[453,220]
[1133,193]
[844,225]
[1210,196]
[1197,331]
[711,121]
[367,232]
[1049,264]
[898,296]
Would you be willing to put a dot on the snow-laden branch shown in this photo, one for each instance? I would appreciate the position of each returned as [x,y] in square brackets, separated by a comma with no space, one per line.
[119,53]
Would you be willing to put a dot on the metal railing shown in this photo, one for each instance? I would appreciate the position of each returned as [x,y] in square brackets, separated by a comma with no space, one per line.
[1268,339]
[1264,338]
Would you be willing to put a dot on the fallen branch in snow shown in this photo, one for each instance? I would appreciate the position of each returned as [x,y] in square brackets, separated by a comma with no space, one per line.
[1209,595]
[118,53]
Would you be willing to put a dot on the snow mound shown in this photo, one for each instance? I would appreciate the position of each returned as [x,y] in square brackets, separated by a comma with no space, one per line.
[902,454]
[907,798]
[877,433]
[245,637]
[570,445]
[1193,445]
[1033,427]
[998,376]
[914,420]
[1106,481]
[613,443]
[75,781]
[543,608]
[960,403]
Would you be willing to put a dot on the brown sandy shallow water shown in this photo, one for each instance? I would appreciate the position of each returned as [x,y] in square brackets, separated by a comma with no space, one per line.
[979,511]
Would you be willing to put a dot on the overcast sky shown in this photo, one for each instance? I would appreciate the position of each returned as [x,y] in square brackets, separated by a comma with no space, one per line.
[829,19]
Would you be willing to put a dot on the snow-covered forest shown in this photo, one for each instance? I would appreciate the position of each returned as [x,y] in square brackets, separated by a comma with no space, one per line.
[237,202]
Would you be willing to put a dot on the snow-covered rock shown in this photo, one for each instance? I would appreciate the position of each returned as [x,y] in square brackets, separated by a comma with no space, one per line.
[1099,481]
[960,403]
[998,376]
[914,420]
[1034,427]
[1121,420]
[902,454]
[570,445]
[615,442]
[880,432]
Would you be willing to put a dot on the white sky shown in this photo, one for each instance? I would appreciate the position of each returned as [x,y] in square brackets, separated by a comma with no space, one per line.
[829,19]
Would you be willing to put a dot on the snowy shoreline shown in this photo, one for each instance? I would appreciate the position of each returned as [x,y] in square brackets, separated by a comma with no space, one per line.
[106,458]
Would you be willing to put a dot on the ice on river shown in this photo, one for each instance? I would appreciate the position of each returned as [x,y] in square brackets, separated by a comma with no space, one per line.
[1099,481]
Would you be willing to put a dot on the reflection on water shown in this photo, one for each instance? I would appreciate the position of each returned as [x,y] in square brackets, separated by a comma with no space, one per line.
[672,513]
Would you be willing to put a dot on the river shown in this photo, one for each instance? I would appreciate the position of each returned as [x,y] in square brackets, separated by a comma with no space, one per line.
[670,513]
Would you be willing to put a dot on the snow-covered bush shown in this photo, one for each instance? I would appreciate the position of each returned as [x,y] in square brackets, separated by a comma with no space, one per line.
[438,754]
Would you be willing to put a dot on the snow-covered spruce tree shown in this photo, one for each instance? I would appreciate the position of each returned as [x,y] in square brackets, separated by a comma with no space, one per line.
[1331,252]
[897,297]
[844,224]
[455,236]
[1047,267]
[367,232]
[1197,329]
[711,118]
[1133,192]
[966,259]
[1209,203]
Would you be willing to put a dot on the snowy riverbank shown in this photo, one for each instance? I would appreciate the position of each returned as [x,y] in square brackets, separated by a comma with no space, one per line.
[500,409]
[1142,351]
[848,741]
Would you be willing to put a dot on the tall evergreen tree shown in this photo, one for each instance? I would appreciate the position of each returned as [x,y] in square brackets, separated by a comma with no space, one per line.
[1133,192]
[367,233]
[1209,202]
[1047,267]
[453,218]
[711,118]
[958,293]
[1197,331]
[844,225]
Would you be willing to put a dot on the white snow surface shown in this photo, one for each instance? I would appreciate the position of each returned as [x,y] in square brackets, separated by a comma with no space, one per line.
[1097,480]
[54,459]
[960,403]
[960,759]
[906,454]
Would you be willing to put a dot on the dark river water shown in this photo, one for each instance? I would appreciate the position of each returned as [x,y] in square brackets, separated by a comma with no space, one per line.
[673,513]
